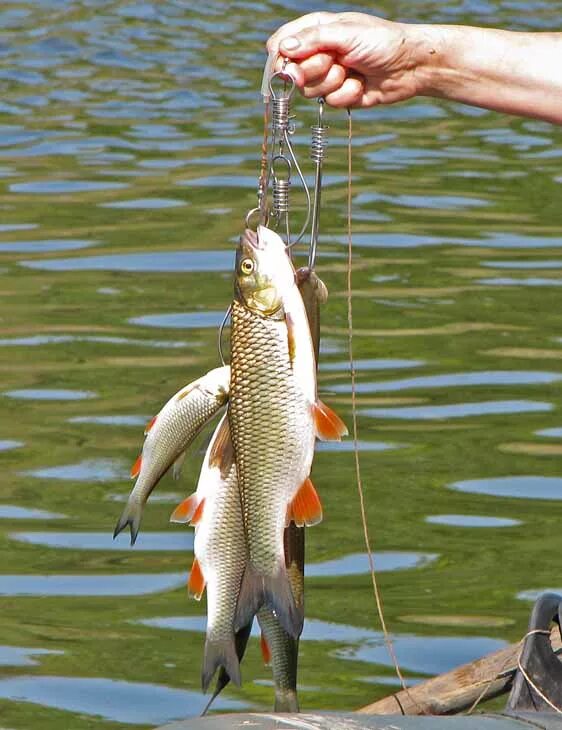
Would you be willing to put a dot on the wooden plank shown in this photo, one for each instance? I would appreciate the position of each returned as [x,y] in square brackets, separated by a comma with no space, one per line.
[458,689]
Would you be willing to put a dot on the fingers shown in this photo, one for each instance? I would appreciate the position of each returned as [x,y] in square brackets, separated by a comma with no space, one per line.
[328,85]
[294,26]
[311,40]
[310,72]
[349,94]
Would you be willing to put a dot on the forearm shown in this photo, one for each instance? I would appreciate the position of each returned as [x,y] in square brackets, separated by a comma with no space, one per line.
[515,73]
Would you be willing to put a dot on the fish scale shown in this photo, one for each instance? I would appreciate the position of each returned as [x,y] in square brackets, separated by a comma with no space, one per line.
[265,412]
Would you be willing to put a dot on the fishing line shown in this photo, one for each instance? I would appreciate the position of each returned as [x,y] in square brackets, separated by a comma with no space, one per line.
[378,599]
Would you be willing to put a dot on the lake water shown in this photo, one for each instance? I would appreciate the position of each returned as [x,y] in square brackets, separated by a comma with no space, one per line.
[129,147]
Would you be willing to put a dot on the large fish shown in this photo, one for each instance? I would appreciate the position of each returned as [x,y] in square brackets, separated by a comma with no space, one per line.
[220,552]
[168,435]
[274,417]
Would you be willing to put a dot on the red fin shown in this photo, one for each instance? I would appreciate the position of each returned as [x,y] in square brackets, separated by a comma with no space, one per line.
[306,506]
[265,650]
[198,512]
[150,424]
[135,469]
[196,582]
[185,510]
[329,426]
[222,452]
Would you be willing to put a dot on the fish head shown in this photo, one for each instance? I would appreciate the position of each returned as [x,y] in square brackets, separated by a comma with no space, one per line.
[264,271]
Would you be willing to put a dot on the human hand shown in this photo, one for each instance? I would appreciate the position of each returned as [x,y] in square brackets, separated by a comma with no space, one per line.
[352,59]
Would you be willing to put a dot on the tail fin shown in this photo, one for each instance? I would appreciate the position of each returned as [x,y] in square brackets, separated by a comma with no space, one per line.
[273,591]
[240,641]
[220,654]
[131,516]
[286,700]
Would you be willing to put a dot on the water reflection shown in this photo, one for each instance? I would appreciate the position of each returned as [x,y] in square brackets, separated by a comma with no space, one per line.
[50,394]
[60,187]
[358,563]
[530,281]
[121,584]
[451,380]
[46,246]
[110,699]
[146,541]
[372,364]
[40,340]
[459,410]
[349,446]
[144,204]
[550,432]
[111,420]
[180,320]
[540,264]
[90,470]
[19,656]
[471,521]
[426,654]
[164,261]
[8,445]
[523,487]
[13,512]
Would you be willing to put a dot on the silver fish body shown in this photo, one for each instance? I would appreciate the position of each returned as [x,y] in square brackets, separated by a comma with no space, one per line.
[168,436]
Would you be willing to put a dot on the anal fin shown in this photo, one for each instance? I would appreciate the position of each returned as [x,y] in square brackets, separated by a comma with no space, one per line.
[306,508]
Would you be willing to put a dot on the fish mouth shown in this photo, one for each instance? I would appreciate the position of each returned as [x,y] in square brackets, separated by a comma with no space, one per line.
[250,238]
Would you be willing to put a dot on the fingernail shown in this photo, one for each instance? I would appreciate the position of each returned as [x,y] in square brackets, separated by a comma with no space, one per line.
[291,43]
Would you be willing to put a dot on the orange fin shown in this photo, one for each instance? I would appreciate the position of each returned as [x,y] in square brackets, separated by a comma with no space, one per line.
[196,582]
[329,426]
[150,424]
[135,469]
[265,650]
[222,452]
[198,512]
[185,510]
[306,507]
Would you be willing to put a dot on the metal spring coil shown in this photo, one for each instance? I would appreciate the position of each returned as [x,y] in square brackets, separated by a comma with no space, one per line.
[319,143]
[281,112]
[280,197]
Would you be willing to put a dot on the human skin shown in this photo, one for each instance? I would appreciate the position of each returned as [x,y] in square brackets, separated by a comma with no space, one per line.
[359,60]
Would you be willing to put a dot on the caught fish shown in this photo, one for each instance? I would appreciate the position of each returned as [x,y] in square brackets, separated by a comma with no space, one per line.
[168,435]
[220,552]
[274,418]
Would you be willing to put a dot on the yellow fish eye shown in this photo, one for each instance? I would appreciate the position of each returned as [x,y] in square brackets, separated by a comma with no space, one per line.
[247,266]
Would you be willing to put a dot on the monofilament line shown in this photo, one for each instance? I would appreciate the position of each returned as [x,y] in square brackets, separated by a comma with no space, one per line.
[359,481]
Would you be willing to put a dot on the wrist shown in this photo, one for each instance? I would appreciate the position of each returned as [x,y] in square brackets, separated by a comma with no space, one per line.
[429,58]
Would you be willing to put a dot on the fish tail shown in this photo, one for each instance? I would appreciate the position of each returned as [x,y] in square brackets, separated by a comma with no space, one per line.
[131,516]
[220,654]
[274,591]
[286,701]
[241,641]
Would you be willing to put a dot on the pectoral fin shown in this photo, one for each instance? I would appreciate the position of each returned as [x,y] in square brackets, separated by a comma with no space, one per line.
[329,426]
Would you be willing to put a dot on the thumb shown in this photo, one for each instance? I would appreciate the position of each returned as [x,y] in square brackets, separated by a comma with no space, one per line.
[330,37]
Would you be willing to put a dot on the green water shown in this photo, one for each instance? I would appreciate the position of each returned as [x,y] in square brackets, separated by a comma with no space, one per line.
[458,263]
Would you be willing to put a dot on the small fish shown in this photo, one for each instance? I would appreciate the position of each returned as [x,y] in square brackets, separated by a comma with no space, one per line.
[275,417]
[168,435]
[220,552]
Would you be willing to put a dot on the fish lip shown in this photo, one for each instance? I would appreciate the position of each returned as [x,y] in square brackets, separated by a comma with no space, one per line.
[251,239]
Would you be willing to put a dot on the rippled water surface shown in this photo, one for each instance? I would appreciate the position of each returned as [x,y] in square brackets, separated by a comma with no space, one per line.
[129,146]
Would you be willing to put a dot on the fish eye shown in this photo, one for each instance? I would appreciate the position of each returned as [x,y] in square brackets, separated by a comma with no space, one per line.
[247,266]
